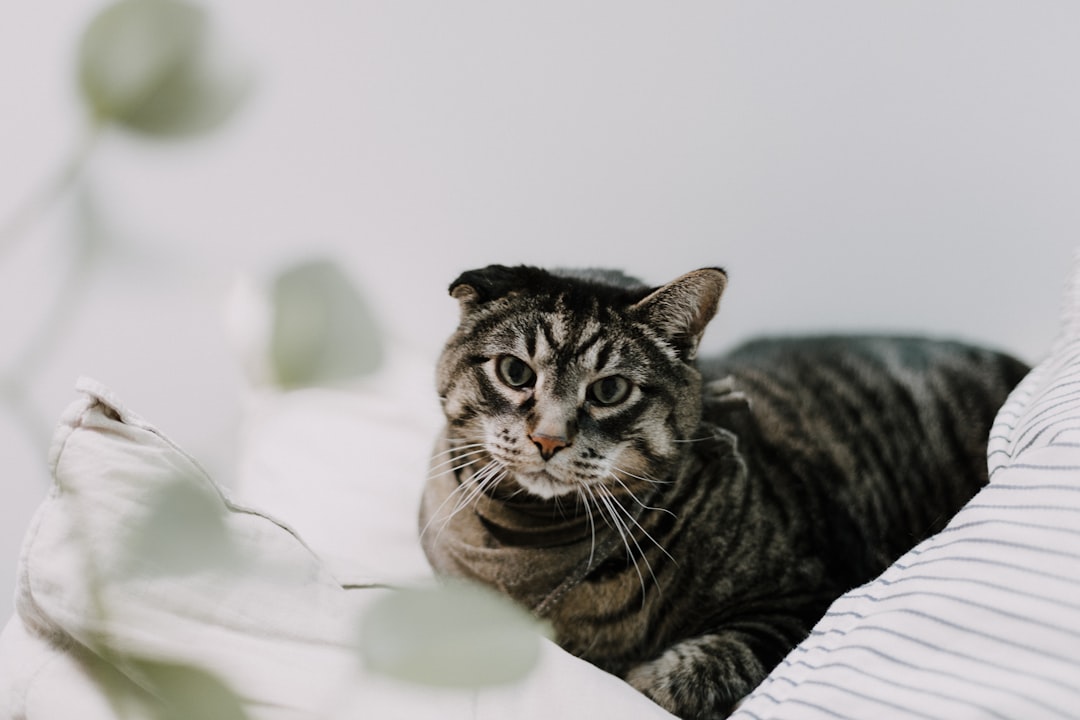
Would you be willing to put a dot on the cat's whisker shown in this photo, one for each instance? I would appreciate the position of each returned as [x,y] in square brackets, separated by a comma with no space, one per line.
[603,516]
[486,478]
[635,497]
[463,486]
[627,537]
[650,481]
[462,496]
[453,469]
[456,449]
[640,526]
[491,480]
[451,461]
[557,502]
[452,495]
[641,551]
[592,524]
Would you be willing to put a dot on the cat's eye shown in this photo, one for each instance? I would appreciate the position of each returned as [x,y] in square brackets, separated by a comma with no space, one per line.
[515,372]
[611,390]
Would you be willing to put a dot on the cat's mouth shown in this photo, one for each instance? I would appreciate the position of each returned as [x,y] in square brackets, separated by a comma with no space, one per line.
[543,484]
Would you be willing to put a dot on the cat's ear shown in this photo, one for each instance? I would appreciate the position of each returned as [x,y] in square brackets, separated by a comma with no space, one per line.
[681,309]
[476,287]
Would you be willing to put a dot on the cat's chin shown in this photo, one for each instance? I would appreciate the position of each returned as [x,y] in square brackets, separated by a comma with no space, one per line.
[543,485]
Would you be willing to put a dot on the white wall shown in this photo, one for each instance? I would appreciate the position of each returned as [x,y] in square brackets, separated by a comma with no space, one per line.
[856,166]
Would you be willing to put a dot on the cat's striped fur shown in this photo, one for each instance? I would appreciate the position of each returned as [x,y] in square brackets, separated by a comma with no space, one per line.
[684,523]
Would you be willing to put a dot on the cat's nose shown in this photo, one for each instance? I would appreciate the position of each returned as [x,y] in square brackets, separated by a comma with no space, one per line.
[548,445]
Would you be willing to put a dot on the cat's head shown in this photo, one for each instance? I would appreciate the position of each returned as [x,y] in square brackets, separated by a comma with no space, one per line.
[569,380]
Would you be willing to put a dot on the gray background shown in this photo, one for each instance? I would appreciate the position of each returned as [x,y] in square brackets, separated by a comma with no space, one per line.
[903,166]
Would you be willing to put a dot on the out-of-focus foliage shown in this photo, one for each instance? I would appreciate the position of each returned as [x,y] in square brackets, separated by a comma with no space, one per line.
[183,531]
[322,331]
[154,67]
[149,689]
[452,635]
[151,66]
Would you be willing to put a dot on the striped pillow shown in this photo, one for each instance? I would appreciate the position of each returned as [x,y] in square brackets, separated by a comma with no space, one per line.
[983,619]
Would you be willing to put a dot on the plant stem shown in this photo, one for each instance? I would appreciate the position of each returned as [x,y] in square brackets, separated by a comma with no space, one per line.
[35,206]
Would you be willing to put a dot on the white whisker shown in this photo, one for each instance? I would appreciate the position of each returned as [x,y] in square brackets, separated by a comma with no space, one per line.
[462,495]
[624,532]
[487,477]
[451,461]
[493,478]
[588,489]
[456,491]
[642,478]
[456,448]
[640,526]
[592,524]
[634,497]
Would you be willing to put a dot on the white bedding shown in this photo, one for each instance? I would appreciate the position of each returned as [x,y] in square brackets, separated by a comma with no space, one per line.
[980,621]
[279,628]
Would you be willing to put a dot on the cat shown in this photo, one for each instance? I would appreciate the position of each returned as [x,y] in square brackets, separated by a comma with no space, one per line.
[683,523]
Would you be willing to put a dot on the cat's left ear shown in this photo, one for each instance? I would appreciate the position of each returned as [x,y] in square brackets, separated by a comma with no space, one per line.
[476,287]
[681,309]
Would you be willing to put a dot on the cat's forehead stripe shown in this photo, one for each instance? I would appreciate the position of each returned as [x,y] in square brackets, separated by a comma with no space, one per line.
[592,333]
[550,327]
[540,344]
[563,338]
[604,355]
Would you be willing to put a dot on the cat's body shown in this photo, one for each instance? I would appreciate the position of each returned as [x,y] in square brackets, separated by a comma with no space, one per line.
[683,524]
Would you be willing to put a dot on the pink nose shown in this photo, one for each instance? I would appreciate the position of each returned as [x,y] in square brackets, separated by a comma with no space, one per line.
[548,445]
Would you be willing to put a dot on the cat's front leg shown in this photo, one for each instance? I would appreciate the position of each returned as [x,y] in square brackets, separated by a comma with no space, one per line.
[703,678]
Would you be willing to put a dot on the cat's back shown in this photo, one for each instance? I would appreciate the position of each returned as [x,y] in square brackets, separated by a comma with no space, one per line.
[882,373]
[886,434]
[816,362]
[846,388]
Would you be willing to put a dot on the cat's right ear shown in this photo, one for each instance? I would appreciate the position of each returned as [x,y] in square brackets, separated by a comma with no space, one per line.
[681,309]
[476,287]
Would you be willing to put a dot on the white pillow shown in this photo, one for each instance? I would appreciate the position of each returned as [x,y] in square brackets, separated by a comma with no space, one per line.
[275,636]
[983,619]
[276,628]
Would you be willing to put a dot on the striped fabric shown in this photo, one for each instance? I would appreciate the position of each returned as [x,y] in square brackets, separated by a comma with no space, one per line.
[983,619]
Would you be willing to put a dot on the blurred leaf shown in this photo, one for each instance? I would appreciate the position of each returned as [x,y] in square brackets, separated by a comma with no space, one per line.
[161,689]
[322,331]
[150,66]
[183,531]
[248,315]
[186,692]
[456,635]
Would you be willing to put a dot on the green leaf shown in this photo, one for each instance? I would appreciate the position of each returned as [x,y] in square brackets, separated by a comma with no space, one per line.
[322,331]
[186,692]
[455,635]
[183,531]
[161,689]
[151,66]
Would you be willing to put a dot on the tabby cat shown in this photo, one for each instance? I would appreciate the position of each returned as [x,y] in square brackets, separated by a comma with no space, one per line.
[682,523]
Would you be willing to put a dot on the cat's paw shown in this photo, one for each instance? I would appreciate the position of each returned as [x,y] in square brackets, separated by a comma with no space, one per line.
[701,679]
[651,679]
[664,683]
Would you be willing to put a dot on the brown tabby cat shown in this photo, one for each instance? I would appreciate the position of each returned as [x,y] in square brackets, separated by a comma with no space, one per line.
[683,524]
